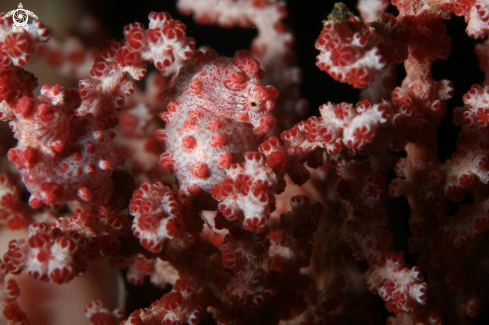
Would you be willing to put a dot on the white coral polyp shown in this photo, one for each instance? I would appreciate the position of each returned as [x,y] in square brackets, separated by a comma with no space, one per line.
[478,24]
[155,210]
[255,204]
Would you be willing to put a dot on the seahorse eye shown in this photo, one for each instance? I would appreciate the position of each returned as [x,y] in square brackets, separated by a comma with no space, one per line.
[254,105]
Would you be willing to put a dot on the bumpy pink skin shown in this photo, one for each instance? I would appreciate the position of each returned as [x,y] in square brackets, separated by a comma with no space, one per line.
[59,163]
[217,110]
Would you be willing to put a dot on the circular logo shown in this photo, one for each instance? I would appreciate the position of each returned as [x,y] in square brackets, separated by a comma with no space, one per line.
[20,17]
